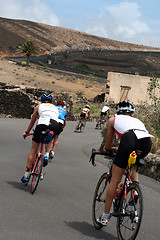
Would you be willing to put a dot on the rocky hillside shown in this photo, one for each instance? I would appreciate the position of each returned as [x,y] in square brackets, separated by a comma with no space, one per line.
[51,39]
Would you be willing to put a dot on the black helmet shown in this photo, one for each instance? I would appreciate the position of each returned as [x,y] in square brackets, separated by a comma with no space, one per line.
[46,97]
[125,107]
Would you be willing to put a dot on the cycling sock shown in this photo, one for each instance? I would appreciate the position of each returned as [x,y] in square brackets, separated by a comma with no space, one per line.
[105,215]
[26,174]
[46,154]
[52,153]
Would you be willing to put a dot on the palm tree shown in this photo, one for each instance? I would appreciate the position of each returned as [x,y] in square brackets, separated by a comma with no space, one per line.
[28,48]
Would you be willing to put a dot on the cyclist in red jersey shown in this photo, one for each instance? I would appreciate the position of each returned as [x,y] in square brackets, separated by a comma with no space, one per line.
[134,136]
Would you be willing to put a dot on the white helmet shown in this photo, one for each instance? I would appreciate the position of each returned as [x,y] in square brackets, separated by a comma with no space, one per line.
[87,106]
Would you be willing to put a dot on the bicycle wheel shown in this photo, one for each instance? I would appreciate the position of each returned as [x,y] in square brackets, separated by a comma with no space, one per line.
[99,199]
[35,175]
[130,213]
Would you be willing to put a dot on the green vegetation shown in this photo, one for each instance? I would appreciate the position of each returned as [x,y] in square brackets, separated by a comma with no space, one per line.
[87,68]
[28,48]
[77,109]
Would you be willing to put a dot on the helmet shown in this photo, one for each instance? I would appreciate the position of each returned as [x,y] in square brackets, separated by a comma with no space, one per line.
[125,107]
[46,97]
[59,103]
[87,106]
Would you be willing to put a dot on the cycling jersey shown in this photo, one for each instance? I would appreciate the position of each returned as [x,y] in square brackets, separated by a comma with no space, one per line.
[46,112]
[85,110]
[124,123]
[105,109]
[62,114]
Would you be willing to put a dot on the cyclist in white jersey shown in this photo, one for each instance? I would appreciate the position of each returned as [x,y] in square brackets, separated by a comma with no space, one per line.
[48,119]
[104,113]
[84,113]
[134,136]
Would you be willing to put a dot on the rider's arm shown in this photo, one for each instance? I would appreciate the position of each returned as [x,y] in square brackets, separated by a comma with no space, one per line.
[110,135]
[33,119]
[88,114]
[108,112]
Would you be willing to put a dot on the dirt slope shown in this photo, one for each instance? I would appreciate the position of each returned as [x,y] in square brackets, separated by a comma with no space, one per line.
[52,39]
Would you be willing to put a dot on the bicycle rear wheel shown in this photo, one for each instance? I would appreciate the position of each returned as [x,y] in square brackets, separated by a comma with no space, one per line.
[129,221]
[99,199]
[36,174]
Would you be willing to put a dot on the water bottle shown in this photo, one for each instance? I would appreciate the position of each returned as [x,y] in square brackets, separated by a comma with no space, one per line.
[49,137]
[119,190]
[132,159]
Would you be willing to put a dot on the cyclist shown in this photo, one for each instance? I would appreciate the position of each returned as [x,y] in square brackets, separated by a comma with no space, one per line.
[62,123]
[83,116]
[134,136]
[104,113]
[48,119]
[64,104]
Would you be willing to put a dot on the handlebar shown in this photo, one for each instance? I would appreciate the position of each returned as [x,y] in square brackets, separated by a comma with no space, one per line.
[110,154]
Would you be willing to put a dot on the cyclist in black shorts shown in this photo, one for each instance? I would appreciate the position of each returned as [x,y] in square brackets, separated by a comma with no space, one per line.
[84,113]
[104,113]
[134,136]
[48,119]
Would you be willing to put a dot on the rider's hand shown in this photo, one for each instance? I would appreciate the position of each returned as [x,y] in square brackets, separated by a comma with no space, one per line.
[25,134]
[110,152]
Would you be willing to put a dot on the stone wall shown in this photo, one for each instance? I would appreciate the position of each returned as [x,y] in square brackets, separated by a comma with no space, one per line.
[19,101]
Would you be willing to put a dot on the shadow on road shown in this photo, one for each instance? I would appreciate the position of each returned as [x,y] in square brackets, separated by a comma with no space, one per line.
[20,186]
[88,230]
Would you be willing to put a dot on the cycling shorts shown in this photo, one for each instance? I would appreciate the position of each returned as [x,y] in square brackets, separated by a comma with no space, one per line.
[103,114]
[53,126]
[60,128]
[83,115]
[129,142]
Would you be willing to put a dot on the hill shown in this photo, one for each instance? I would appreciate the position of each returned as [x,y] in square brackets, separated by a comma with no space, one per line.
[78,50]
[51,39]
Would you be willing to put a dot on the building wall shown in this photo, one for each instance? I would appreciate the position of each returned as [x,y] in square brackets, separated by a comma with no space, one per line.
[136,84]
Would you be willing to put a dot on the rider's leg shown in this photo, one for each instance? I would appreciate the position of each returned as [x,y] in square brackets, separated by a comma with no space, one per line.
[117,174]
[30,161]
[134,176]
[32,154]
[48,148]
[55,144]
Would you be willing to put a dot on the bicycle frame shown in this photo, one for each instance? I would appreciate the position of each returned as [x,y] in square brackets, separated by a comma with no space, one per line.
[34,172]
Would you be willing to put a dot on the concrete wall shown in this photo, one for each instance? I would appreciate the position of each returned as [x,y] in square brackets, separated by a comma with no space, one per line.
[137,87]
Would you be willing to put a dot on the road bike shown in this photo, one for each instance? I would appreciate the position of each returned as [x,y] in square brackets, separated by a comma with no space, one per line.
[101,123]
[36,172]
[81,124]
[127,207]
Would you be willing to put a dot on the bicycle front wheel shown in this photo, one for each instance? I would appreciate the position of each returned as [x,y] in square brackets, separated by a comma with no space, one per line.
[99,199]
[130,213]
[36,173]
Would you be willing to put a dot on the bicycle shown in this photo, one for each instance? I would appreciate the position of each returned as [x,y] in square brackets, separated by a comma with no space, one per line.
[127,208]
[36,171]
[80,126]
[101,123]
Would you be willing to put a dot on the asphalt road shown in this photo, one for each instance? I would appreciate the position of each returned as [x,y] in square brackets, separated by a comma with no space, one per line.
[61,208]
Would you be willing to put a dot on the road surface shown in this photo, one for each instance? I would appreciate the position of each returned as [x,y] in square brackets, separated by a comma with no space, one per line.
[61,208]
